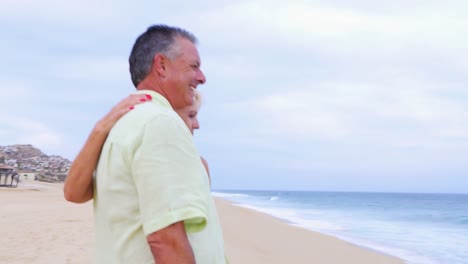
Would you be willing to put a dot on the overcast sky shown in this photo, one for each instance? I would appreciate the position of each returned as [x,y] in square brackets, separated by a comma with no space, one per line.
[300,95]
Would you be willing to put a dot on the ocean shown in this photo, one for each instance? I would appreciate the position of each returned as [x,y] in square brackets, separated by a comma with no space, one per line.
[418,228]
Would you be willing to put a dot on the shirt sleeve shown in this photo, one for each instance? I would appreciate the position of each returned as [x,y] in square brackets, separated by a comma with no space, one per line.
[169,178]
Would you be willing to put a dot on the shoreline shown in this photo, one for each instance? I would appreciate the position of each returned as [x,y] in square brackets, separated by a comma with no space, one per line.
[39,226]
[272,231]
[294,224]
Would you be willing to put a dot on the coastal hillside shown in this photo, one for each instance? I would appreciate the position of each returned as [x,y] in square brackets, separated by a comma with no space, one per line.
[31,162]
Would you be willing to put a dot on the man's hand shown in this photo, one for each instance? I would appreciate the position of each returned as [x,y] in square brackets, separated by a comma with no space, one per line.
[170,245]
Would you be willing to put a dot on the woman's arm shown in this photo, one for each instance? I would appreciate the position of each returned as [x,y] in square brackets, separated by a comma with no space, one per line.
[78,186]
[205,164]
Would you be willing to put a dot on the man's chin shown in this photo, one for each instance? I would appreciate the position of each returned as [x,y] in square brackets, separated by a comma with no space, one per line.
[189,103]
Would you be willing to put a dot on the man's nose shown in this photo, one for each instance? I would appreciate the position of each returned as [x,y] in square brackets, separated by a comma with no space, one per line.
[201,77]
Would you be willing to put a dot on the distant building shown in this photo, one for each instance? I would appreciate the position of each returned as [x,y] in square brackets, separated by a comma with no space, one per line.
[8,176]
[10,161]
[61,177]
[27,175]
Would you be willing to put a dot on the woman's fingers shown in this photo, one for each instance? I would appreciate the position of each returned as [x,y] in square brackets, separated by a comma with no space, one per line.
[125,105]
[133,100]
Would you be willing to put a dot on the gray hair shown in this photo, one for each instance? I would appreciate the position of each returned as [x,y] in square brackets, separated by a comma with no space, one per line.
[156,39]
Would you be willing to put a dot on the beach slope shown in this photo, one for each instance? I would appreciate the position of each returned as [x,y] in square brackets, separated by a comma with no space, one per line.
[39,226]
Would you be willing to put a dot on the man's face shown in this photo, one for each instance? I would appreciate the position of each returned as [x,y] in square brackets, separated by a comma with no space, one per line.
[183,74]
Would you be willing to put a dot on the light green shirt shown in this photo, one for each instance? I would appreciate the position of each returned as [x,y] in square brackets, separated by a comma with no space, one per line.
[150,176]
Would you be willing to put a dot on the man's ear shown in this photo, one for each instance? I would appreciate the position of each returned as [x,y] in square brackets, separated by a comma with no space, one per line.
[159,64]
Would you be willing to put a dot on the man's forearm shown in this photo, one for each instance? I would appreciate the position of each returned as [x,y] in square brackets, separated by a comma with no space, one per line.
[170,245]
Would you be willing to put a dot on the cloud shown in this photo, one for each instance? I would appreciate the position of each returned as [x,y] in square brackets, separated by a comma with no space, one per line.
[299,87]
[28,116]
[303,25]
[14,90]
[26,131]
[83,13]
[91,69]
[366,113]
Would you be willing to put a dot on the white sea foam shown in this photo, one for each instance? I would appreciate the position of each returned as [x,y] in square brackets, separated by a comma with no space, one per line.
[398,225]
[317,225]
[228,195]
[292,217]
[330,228]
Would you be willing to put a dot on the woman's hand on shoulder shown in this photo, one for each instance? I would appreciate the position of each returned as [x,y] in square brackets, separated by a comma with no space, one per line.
[127,104]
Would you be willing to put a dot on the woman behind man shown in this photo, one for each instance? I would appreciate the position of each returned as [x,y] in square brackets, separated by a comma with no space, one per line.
[78,186]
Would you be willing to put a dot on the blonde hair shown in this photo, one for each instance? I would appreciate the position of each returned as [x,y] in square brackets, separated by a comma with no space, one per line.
[197,99]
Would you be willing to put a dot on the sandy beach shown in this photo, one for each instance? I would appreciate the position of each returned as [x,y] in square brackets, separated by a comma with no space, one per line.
[39,226]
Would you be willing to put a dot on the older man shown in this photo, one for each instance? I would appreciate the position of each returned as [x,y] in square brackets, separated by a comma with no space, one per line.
[152,198]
